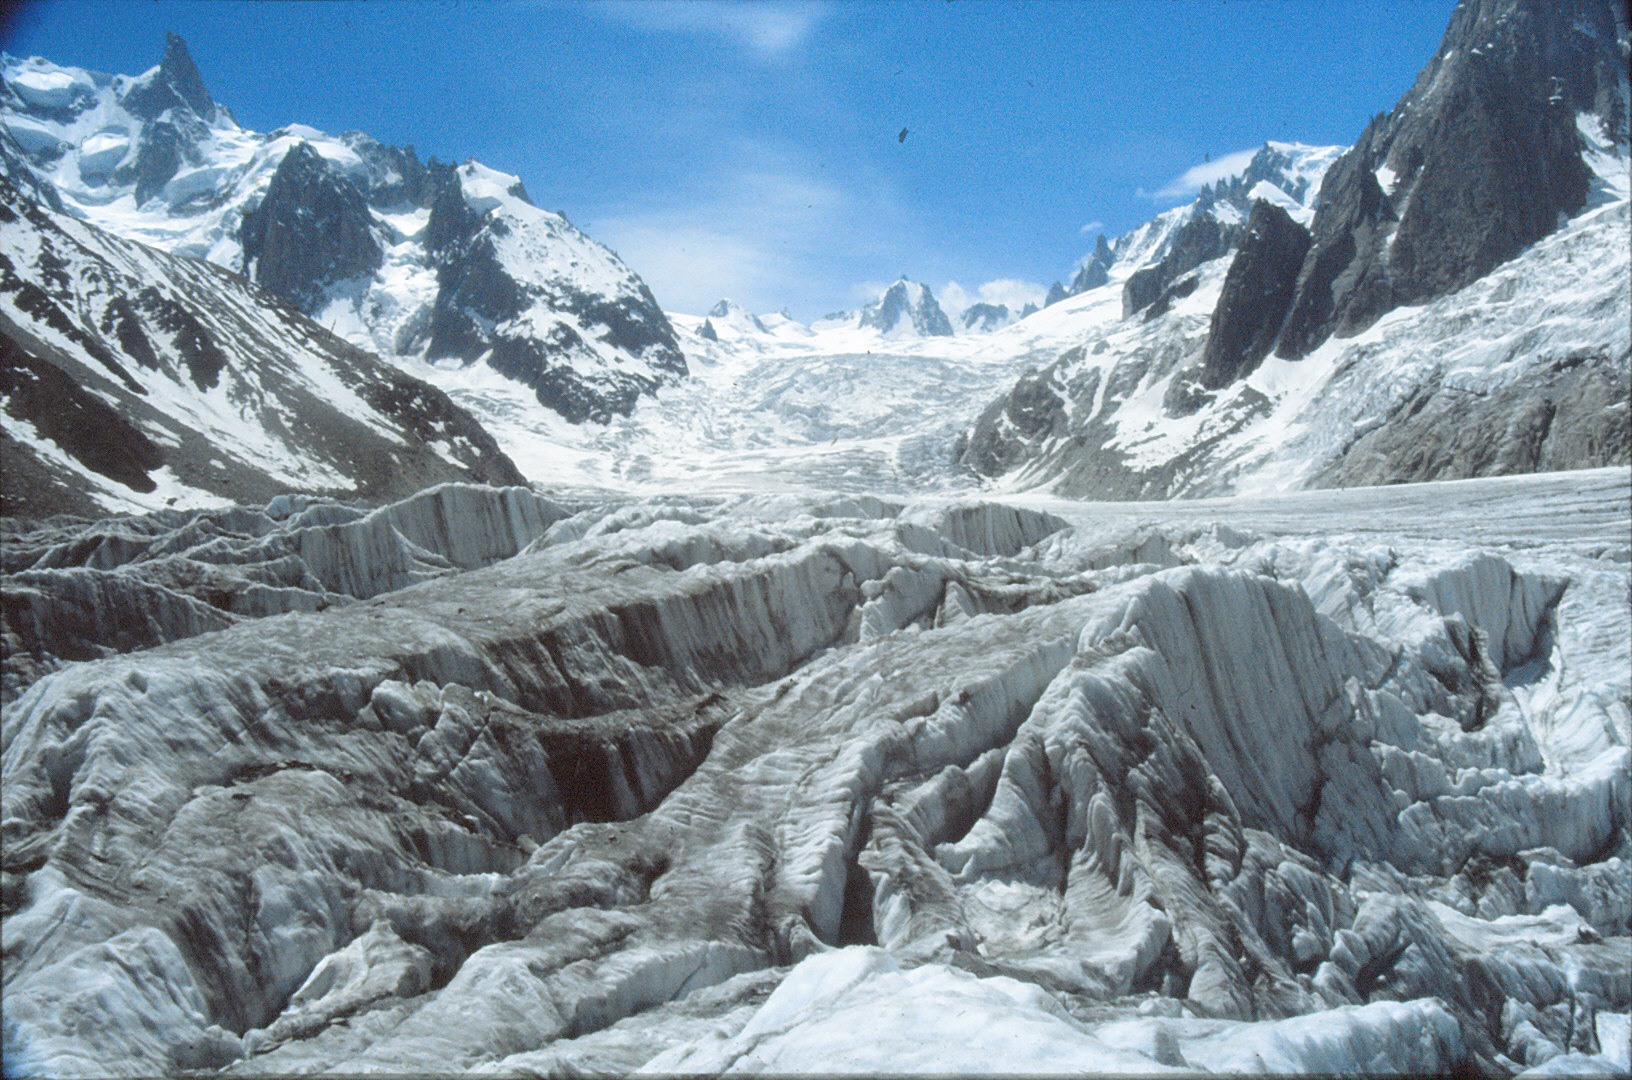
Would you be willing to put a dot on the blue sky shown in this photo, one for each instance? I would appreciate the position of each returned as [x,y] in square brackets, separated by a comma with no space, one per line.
[751,150]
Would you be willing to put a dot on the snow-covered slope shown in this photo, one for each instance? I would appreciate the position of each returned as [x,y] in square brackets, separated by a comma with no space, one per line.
[1475,355]
[132,378]
[1456,387]
[454,265]
[1284,174]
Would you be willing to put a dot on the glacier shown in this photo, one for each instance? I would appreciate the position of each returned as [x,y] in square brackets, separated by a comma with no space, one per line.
[676,694]
[1330,781]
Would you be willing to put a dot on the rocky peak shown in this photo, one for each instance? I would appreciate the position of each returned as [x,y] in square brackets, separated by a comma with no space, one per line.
[1478,160]
[453,220]
[14,170]
[1096,271]
[1200,239]
[911,302]
[1257,290]
[175,83]
[1274,164]
[394,174]
[312,229]
[731,313]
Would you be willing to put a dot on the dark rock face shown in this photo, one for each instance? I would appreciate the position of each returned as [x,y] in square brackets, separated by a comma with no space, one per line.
[1029,413]
[312,229]
[1177,289]
[707,332]
[80,422]
[1201,239]
[1056,293]
[1269,164]
[898,303]
[1573,413]
[176,109]
[1257,292]
[1484,158]
[165,146]
[176,85]
[984,316]
[15,171]
[516,285]
[1096,271]
[89,333]
[478,292]
[452,220]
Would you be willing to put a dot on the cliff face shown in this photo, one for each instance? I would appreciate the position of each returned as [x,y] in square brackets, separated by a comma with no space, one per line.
[1256,294]
[132,378]
[1478,160]
[311,230]
[413,259]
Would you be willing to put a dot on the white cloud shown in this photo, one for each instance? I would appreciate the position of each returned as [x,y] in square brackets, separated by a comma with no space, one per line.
[768,29]
[1091,228]
[1013,293]
[767,231]
[1190,181]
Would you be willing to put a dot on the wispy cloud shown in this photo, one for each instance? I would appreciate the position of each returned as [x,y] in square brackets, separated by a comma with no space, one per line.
[769,30]
[1091,228]
[1190,181]
[767,230]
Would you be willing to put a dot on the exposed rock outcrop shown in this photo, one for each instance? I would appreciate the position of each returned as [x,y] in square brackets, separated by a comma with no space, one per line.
[174,84]
[118,358]
[984,317]
[504,292]
[1574,413]
[1257,292]
[176,111]
[314,218]
[394,174]
[1200,239]
[1096,271]
[311,230]
[907,306]
[1481,158]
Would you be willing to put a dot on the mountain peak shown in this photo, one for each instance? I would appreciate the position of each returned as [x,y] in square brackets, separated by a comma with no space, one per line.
[910,302]
[733,314]
[1479,159]
[177,68]
[175,83]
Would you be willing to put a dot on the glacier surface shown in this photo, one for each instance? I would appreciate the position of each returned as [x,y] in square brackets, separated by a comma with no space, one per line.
[502,783]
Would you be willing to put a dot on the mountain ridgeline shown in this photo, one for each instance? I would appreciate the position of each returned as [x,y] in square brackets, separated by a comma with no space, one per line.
[1517,126]
[1233,338]
[452,264]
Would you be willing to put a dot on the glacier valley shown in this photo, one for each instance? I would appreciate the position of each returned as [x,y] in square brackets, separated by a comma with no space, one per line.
[426,655]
